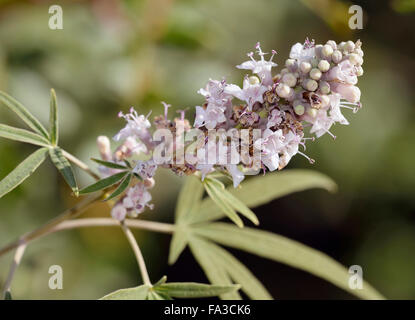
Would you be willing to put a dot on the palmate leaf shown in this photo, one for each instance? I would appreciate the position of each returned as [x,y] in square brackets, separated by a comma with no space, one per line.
[53,119]
[178,243]
[137,293]
[64,168]
[22,171]
[234,202]
[104,183]
[187,204]
[212,266]
[252,287]
[193,290]
[261,190]
[24,114]
[189,198]
[217,197]
[22,135]
[120,189]
[233,268]
[284,250]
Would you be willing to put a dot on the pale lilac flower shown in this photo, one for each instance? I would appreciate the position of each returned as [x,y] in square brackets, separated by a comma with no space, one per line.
[274,118]
[237,175]
[335,113]
[119,212]
[137,126]
[209,117]
[137,199]
[215,93]
[292,142]
[302,52]
[145,169]
[252,92]
[321,123]
[344,72]
[261,67]
[349,92]
[270,146]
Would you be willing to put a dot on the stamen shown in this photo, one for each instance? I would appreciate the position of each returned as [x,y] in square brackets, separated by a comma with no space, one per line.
[166,108]
[312,161]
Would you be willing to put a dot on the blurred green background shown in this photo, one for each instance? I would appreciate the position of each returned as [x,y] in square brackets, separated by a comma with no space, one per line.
[115,54]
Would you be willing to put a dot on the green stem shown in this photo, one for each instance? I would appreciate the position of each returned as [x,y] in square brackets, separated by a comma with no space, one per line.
[138,255]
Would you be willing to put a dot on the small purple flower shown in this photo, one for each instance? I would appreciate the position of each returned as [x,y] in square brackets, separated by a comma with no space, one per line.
[252,91]
[260,67]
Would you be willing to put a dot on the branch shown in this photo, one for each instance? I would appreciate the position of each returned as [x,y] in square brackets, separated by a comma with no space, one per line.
[45,229]
[138,254]
[16,261]
[109,222]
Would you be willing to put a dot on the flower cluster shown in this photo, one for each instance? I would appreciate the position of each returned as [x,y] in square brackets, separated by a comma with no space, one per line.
[257,127]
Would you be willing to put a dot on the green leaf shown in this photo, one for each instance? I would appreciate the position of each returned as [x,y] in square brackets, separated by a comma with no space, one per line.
[161,281]
[120,189]
[22,171]
[284,250]
[239,273]
[104,183]
[24,114]
[64,168]
[194,290]
[137,293]
[152,295]
[53,119]
[22,135]
[189,198]
[109,164]
[216,195]
[261,190]
[234,202]
[212,266]
[178,243]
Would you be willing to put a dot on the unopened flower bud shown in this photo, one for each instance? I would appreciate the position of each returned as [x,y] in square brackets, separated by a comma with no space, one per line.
[104,147]
[359,71]
[284,71]
[310,85]
[332,44]
[349,46]
[290,63]
[305,67]
[299,109]
[253,80]
[359,52]
[318,50]
[355,59]
[149,183]
[324,87]
[327,50]
[324,65]
[336,56]
[341,45]
[284,91]
[325,100]
[289,79]
[315,74]
[312,112]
